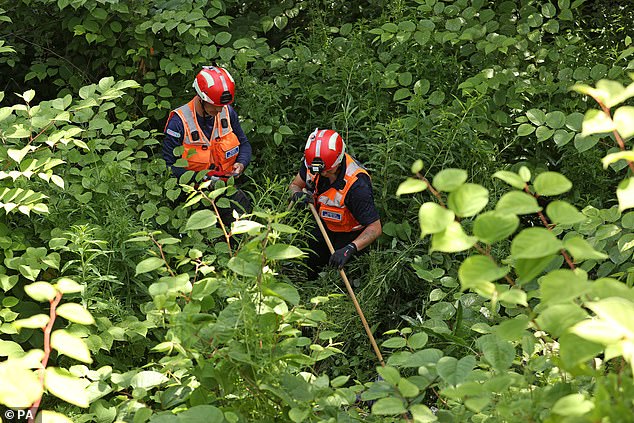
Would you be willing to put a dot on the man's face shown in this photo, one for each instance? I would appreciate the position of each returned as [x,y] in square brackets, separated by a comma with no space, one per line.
[211,109]
[329,173]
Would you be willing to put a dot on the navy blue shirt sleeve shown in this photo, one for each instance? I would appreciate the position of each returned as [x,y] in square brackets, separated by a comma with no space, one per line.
[303,171]
[244,156]
[173,138]
[360,201]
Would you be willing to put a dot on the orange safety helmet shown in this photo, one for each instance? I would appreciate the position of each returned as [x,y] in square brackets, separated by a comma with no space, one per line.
[215,85]
[324,150]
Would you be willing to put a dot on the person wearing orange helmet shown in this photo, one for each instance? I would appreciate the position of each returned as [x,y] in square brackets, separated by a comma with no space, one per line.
[341,190]
[209,130]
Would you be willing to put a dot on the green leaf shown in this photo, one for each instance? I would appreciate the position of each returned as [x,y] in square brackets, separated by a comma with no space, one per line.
[395,342]
[20,387]
[525,129]
[557,318]
[245,265]
[448,180]
[282,290]
[562,285]
[575,350]
[596,122]
[70,345]
[573,405]
[407,388]
[534,243]
[551,183]
[244,226]
[563,213]
[434,218]
[417,340]
[499,353]
[148,265]
[32,322]
[296,415]
[468,199]
[528,269]
[543,133]
[201,414]
[556,119]
[67,387]
[452,240]
[282,252]
[201,219]
[52,417]
[624,121]
[615,157]
[75,313]
[410,186]
[68,286]
[581,250]
[417,166]
[389,374]
[512,329]
[493,226]
[511,178]
[562,137]
[148,379]
[18,155]
[41,291]
[401,94]
[454,371]
[223,38]
[388,407]
[517,202]
[625,194]
[617,312]
[536,116]
[479,268]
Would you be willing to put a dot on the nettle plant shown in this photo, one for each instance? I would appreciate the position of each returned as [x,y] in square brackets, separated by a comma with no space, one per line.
[558,338]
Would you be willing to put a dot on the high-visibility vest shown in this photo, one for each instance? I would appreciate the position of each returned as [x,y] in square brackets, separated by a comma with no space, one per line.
[331,203]
[219,152]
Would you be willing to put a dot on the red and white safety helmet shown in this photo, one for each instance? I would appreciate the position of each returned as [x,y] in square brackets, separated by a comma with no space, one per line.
[324,150]
[215,85]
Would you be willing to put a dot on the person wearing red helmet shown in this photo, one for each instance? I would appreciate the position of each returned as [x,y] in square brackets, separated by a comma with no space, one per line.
[341,190]
[209,131]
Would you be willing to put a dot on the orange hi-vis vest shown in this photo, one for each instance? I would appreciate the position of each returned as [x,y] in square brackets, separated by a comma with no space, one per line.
[331,203]
[219,152]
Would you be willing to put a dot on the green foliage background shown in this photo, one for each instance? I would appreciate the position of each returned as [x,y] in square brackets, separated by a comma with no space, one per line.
[488,304]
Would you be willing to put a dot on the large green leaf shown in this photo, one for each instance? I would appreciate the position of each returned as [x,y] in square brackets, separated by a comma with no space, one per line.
[40,291]
[20,387]
[617,312]
[528,269]
[388,407]
[148,265]
[282,252]
[449,179]
[201,414]
[410,186]
[479,268]
[468,199]
[65,386]
[573,405]
[561,212]
[148,379]
[511,178]
[517,202]
[201,219]
[556,318]
[454,371]
[493,226]
[624,121]
[75,313]
[452,240]
[551,183]
[433,218]
[596,122]
[66,343]
[534,243]
[563,285]
[282,290]
[625,194]
[582,250]
[499,353]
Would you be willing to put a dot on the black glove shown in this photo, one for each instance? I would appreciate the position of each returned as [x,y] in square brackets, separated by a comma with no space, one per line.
[302,197]
[340,257]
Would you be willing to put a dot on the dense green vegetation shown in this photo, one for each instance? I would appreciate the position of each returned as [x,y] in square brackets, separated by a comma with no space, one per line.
[497,134]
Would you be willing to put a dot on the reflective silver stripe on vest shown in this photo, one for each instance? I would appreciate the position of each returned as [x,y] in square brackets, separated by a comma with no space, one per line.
[336,202]
[190,121]
[219,131]
[352,167]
